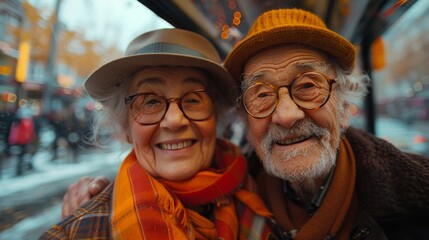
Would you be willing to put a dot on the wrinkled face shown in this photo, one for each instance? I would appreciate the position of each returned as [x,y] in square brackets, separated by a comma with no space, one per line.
[292,143]
[175,148]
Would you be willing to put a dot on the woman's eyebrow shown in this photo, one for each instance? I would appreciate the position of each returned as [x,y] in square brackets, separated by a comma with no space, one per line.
[194,80]
[150,80]
[159,81]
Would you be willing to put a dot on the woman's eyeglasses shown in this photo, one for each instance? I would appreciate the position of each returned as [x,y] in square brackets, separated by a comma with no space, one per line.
[150,108]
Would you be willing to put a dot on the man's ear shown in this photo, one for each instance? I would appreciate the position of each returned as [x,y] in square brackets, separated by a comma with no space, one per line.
[345,119]
[345,122]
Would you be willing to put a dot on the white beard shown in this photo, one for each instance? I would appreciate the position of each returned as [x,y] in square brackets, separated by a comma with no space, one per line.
[274,164]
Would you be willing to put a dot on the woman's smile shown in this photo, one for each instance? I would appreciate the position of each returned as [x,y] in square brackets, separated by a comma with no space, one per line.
[176,145]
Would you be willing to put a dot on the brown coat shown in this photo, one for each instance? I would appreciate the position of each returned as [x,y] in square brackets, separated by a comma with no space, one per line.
[392,186]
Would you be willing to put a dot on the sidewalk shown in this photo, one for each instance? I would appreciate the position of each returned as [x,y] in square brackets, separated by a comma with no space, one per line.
[30,204]
[46,171]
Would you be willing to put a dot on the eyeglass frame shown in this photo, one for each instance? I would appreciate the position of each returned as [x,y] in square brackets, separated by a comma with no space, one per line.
[330,81]
[129,100]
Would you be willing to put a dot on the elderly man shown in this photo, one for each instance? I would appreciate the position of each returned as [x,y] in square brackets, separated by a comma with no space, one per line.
[322,179]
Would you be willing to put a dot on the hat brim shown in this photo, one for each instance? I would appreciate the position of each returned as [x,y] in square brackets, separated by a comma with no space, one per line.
[103,81]
[318,38]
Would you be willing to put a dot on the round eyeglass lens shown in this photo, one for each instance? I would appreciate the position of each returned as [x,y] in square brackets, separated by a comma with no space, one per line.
[197,105]
[148,108]
[310,90]
[260,100]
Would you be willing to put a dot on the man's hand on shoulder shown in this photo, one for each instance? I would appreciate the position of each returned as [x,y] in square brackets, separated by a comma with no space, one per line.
[81,192]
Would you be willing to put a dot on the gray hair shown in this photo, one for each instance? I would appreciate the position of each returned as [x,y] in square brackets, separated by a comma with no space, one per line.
[351,90]
[112,118]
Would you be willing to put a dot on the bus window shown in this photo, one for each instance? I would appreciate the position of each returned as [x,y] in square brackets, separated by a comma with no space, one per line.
[401,81]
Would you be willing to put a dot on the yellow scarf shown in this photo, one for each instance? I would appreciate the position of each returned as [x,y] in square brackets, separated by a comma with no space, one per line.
[149,208]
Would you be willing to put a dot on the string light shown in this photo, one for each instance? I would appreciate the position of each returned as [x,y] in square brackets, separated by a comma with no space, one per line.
[237,18]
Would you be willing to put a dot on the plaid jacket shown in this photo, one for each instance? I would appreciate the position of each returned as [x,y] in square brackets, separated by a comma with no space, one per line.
[91,221]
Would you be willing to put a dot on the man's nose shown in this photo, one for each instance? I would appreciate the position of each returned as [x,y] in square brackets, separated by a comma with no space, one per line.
[287,113]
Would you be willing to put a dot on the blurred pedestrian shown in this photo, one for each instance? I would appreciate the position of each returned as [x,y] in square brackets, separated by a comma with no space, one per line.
[22,134]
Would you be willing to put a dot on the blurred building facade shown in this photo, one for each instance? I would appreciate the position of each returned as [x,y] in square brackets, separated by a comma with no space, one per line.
[11,14]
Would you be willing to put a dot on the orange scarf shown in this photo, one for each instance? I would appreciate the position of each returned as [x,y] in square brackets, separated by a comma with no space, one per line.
[337,211]
[149,208]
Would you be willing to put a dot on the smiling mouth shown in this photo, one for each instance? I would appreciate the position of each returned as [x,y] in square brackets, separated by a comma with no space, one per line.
[176,146]
[286,142]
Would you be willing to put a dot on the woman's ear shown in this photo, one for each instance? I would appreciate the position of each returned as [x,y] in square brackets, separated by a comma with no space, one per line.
[128,135]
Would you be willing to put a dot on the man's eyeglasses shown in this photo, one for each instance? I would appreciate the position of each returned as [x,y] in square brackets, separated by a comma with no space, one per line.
[150,108]
[309,91]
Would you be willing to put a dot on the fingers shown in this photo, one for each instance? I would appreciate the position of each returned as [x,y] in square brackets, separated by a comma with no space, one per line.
[71,203]
[81,192]
[77,194]
[98,184]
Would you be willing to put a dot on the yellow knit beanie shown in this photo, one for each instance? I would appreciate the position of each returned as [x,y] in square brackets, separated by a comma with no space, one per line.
[284,26]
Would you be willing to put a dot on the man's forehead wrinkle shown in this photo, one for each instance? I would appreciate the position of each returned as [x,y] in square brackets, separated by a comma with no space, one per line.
[296,66]
[311,65]
[250,78]
[299,67]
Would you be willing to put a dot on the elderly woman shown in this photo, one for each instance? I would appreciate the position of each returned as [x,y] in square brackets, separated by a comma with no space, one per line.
[179,181]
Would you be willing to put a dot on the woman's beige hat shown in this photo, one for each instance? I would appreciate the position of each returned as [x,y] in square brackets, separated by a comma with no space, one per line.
[285,26]
[164,47]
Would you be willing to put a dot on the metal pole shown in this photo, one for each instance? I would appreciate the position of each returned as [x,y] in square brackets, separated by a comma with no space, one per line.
[51,82]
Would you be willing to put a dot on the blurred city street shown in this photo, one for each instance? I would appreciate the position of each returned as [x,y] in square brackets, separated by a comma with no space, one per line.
[49,48]
[30,203]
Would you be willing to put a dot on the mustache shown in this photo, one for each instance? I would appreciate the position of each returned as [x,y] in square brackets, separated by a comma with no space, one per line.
[302,128]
